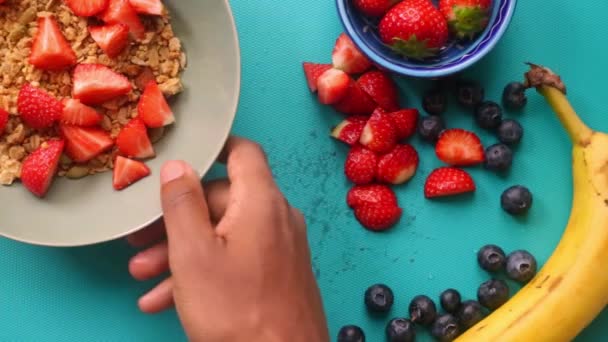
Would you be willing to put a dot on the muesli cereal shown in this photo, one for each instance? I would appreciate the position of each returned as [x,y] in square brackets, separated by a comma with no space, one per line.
[150,52]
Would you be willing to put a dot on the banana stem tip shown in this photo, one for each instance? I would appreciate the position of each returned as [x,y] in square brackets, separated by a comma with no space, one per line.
[540,76]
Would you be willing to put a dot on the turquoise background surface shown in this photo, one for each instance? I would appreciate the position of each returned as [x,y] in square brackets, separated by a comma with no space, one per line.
[86,294]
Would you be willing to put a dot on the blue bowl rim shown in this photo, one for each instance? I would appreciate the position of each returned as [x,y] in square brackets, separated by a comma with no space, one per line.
[378,59]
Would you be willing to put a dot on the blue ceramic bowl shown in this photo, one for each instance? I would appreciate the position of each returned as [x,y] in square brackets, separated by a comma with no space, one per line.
[454,58]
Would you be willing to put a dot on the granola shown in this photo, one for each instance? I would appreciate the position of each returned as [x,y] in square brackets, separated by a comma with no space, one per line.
[159,55]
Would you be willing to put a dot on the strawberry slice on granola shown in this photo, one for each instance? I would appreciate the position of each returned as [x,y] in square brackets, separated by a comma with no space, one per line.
[37,108]
[78,114]
[128,171]
[39,168]
[95,84]
[3,120]
[111,38]
[153,108]
[149,7]
[120,11]
[50,49]
[133,140]
[85,143]
[87,8]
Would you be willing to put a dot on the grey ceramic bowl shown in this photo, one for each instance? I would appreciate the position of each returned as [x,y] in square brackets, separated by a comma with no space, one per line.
[89,211]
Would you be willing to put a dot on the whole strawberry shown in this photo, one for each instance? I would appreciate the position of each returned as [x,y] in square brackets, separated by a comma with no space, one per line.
[374,8]
[414,29]
[466,18]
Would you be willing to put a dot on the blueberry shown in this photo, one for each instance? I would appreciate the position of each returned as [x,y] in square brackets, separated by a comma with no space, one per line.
[469,314]
[435,102]
[469,94]
[488,115]
[516,200]
[351,333]
[514,96]
[379,298]
[493,293]
[450,300]
[422,310]
[430,128]
[521,266]
[499,157]
[400,330]
[445,328]
[510,132]
[491,258]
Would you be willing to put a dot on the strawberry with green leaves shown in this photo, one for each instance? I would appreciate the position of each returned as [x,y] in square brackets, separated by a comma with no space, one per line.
[466,18]
[415,29]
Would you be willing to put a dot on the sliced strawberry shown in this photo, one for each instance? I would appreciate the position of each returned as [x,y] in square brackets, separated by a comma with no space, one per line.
[111,38]
[349,130]
[50,49]
[448,181]
[37,108]
[458,147]
[399,165]
[133,141]
[145,76]
[127,172]
[39,168]
[375,206]
[95,84]
[333,86]
[312,72]
[77,114]
[348,58]
[153,108]
[149,7]
[3,120]
[406,122]
[381,88]
[87,8]
[379,134]
[360,166]
[121,12]
[85,143]
[355,102]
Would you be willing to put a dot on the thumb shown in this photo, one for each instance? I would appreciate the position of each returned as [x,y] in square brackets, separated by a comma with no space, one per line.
[189,228]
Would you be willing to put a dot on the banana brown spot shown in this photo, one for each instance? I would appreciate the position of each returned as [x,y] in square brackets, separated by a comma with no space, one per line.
[542,282]
[555,284]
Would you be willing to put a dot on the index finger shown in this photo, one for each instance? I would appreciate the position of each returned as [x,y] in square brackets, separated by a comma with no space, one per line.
[247,165]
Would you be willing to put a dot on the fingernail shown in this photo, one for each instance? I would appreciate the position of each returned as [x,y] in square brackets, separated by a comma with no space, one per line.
[171,171]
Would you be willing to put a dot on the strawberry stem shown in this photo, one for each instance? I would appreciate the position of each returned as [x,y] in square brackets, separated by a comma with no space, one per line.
[551,87]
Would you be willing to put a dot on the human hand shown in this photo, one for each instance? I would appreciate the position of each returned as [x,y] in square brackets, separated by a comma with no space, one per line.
[237,253]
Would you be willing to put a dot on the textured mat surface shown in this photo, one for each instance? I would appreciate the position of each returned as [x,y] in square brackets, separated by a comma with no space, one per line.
[87,295]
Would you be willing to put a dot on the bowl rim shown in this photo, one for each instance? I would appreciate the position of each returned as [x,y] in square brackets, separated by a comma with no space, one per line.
[405,71]
[201,170]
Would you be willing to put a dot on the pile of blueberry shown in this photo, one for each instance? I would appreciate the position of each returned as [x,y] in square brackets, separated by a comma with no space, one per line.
[488,115]
[458,315]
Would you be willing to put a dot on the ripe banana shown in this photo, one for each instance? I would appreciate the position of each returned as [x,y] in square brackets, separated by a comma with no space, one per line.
[572,287]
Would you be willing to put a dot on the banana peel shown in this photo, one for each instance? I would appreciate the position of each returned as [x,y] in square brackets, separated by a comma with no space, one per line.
[572,287]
